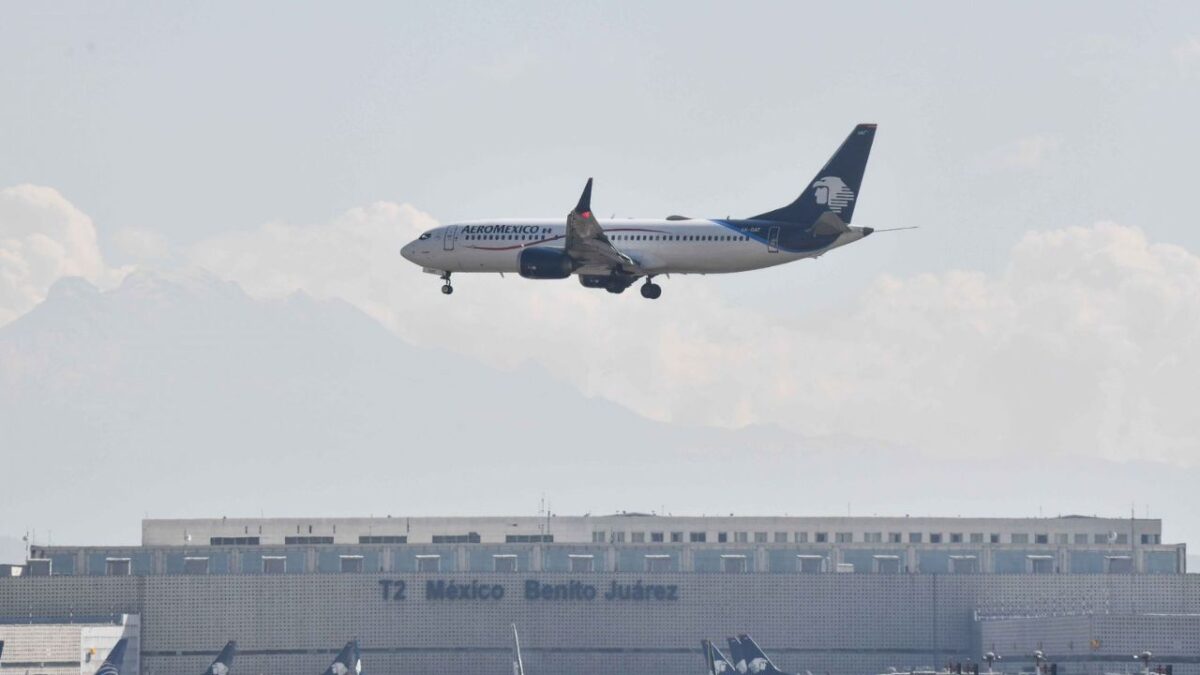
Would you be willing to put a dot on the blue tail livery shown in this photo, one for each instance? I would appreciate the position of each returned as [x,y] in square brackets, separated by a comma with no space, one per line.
[349,660]
[756,660]
[224,661]
[116,658]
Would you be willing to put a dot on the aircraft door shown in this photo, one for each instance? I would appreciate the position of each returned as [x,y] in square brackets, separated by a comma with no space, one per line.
[773,241]
[450,235]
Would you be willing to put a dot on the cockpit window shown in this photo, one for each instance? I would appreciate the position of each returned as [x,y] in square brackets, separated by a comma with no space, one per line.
[425,236]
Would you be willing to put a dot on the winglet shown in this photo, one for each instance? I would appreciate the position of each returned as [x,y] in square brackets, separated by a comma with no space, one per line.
[585,199]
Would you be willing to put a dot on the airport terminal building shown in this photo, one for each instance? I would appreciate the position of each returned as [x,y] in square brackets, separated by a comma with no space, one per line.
[627,593]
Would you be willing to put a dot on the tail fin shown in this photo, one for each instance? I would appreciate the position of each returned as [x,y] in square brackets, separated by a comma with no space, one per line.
[736,654]
[756,660]
[715,660]
[836,187]
[518,662]
[116,658]
[348,661]
[224,660]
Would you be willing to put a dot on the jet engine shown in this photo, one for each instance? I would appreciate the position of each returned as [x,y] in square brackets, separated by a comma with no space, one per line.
[544,263]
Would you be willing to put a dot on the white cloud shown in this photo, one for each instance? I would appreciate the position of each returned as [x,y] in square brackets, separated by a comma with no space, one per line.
[1187,56]
[43,237]
[141,244]
[1030,152]
[1084,344]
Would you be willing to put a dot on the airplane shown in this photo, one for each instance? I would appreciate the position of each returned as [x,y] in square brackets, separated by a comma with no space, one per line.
[756,661]
[116,658]
[614,253]
[224,660]
[349,660]
[715,661]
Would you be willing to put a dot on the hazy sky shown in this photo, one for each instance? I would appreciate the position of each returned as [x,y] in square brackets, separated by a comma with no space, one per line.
[1050,301]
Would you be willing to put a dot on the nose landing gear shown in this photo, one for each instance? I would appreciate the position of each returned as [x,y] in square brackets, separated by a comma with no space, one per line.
[651,290]
[447,289]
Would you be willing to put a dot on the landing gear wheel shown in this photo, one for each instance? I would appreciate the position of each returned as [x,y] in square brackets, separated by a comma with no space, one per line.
[651,291]
[447,289]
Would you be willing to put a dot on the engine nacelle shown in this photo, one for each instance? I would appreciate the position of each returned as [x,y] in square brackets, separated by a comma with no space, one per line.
[544,263]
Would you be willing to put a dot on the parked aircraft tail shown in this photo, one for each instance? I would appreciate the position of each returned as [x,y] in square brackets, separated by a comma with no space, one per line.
[736,655]
[835,188]
[224,660]
[348,661]
[756,660]
[715,661]
[116,658]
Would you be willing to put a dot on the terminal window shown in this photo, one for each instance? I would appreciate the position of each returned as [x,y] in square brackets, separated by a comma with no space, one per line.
[468,538]
[1062,539]
[1019,538]
[383,539]
[529,539]
[1081,539]
[894,537]
[658,563]
[195,565]
[676,537]
[822,537]
[760,537]
[733,564]
[429,563]
[117,567]
[1041,538]
[741,537]
[964,564]
[274,564]
[887,564]
[956,537]
[801,537]
[810,564]
[781,537]
[637,537]
[38,567]
[618,537]
[1118,564]
[722,537]
[873,537]
[294,541]
[599,537]
[935,537]
[1100,539]
[656,537]
[697,537]
[994,538]
[351,564]
[845,537]
[914,537]
[233,541]
[1151,539]
[976,537]
[504,563]
[582,563]
[1039,564]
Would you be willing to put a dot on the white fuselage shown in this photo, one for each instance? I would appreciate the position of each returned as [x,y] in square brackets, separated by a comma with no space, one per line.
[659,246]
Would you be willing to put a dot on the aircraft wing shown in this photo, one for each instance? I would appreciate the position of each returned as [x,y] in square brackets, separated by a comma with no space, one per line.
[587,244]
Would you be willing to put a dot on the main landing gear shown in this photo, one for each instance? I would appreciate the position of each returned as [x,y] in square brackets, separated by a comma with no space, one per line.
[447,289]
[651,290]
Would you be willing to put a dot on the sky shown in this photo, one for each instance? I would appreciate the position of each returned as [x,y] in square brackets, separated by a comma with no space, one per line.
[1049,304]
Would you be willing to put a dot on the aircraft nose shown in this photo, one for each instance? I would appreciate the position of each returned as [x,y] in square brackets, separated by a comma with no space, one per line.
[407,251]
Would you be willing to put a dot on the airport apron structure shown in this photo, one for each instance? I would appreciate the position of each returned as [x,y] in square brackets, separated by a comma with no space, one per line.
[624,593]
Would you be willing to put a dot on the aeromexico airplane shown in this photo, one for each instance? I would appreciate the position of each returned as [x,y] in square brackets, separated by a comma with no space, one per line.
[613,254]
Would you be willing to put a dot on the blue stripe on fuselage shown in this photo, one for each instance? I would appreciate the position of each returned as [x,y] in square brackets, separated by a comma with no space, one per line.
[793,238]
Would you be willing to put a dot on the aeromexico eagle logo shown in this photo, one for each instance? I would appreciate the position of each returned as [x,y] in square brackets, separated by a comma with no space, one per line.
[339,668]
[833,193]
[220,668]
[758,665]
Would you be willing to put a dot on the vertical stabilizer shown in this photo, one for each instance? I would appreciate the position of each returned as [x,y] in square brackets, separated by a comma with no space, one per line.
[224,661]
[116,659]
[756,660]
[348,661]
[835,188]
